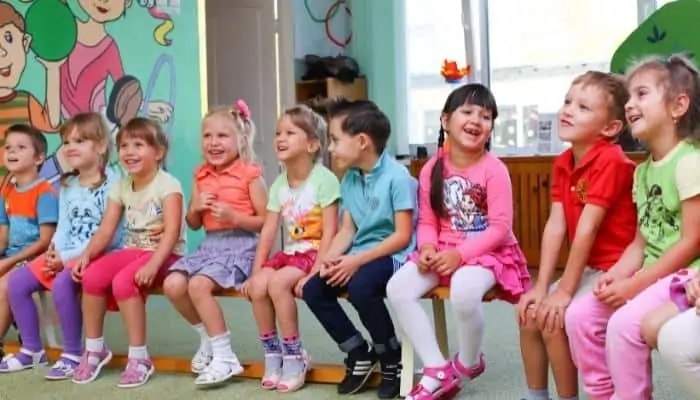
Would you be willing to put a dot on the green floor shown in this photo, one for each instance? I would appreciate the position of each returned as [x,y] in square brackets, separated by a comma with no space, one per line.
[168,334]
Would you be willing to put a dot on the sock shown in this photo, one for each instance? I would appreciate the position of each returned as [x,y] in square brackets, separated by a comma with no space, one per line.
[138,352]
[360,352]
[95,345]
[430,384]
[568,398]
[291,345]
[538,394]
[221,347]
[204,344]
[271,342]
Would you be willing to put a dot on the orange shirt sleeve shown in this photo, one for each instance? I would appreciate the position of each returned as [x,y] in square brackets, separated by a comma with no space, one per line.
[39,116]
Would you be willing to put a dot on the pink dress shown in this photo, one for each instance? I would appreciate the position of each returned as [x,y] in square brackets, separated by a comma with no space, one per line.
[479,222]
[91,66]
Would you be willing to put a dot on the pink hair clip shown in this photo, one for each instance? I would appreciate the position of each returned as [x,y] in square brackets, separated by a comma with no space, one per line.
[242,108]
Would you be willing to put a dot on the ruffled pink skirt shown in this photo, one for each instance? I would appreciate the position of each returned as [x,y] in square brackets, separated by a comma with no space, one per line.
[509,266]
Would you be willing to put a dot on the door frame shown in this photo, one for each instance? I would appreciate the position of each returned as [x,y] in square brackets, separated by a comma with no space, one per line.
[286,77]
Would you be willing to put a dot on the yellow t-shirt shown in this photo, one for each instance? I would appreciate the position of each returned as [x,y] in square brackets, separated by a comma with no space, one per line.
[143,210]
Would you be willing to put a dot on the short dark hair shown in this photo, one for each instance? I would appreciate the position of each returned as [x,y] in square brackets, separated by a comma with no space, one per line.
[35,136]
[362,116]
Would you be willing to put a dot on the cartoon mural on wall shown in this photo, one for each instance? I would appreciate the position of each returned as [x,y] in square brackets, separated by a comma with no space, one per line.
[83,64]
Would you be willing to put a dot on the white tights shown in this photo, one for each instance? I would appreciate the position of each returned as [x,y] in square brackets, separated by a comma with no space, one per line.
[467,288]
[679,346]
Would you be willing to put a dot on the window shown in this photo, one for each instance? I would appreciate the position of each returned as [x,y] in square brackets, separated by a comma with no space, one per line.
[535,49]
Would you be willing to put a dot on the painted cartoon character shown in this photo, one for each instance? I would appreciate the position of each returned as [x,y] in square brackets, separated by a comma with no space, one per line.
[19,106]
[656,214]
[465,204]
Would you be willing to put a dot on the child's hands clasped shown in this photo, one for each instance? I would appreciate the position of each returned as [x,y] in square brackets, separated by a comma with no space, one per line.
[54,264]
[618,292]
[427,253]
[446,262]
[223,212]
[80,266]
[340,271]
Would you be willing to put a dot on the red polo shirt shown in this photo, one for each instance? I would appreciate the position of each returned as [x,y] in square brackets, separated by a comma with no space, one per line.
[603,177]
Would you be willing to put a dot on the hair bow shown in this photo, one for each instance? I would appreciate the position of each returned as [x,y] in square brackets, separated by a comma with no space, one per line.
[243,109]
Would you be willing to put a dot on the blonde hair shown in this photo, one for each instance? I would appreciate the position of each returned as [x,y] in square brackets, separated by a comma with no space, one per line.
[243,126]
[147,130]
[87,126]
[677,75]
[313,124]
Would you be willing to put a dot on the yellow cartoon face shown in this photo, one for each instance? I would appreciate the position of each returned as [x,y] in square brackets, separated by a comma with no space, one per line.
[307,227]
[104,10]
[14,45]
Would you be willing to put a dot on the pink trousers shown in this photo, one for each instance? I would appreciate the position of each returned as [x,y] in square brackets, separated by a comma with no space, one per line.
[607,345]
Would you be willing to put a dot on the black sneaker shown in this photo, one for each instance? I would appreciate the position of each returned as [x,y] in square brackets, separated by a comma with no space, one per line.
[391,379]
[359,366]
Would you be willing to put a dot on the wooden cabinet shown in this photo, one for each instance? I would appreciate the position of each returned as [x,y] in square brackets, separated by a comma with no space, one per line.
[531,178]
[331,88]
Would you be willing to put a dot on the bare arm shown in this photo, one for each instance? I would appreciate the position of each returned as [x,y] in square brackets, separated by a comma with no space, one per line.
[343,239]
[172,225]
[586,232]
[46,232]
[683,252]
[397,241]
[4,234]
[632,258]
[103,237]
[552,240]
[258,195]
[267,238]
[194,216]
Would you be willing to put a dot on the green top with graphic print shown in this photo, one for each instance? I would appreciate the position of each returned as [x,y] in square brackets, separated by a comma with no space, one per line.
[659,189]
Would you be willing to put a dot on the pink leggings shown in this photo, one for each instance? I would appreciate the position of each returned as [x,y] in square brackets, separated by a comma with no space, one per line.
[607,345]
[114,273]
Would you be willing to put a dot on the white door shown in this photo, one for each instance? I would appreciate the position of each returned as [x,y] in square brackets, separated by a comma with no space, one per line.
[241,64]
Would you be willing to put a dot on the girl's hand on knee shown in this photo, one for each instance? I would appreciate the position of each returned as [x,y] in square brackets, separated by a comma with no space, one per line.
[246,288]
[550,313]
[527,306]
[145,276]
[692,290]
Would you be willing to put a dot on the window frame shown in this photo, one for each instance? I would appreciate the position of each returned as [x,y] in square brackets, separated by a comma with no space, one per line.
[475,13]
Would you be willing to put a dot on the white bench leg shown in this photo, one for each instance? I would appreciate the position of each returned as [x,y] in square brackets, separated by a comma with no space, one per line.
[440,326]
[47,321]
[408,368]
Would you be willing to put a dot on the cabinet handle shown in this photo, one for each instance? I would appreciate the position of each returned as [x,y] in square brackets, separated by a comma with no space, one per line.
[545,184]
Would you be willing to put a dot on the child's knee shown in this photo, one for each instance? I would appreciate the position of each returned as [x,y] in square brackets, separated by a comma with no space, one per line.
[95,284]
[200,286]
[650,330]
[314,290]
[558,333]
[279,288]
[530,326]
[175,285]
[258,286]
[466,304]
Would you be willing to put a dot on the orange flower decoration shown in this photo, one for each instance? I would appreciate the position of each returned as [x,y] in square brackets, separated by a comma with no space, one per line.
[452,72]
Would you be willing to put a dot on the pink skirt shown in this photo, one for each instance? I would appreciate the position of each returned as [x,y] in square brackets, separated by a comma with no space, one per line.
[304,261]
[509,266]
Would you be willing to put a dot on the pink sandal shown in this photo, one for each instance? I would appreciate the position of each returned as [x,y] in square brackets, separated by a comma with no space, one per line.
[472,372]
[450,384]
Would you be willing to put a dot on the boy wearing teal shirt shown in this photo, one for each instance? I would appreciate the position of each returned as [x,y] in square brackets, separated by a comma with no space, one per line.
[376,234]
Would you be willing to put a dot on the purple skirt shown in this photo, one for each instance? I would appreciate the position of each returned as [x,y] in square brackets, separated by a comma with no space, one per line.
[226,257]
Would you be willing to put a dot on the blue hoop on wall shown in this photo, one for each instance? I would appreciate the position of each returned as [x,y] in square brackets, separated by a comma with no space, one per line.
[164,59]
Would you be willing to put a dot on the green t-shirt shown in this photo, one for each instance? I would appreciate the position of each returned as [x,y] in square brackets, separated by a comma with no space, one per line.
[301,208]
[659,189]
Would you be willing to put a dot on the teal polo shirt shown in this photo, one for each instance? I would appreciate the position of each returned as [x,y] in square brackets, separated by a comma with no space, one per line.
[373,199]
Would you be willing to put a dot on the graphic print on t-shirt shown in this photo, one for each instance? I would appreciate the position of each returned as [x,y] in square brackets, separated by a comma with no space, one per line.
[656,216]
[465,203]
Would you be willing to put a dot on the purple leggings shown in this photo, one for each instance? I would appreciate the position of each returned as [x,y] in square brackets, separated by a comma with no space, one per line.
[22,285]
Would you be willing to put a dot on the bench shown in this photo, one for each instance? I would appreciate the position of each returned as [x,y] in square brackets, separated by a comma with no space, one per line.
[319,373]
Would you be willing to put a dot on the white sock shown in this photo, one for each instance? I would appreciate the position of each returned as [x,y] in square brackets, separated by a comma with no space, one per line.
[467,288]
[221,347]
[138,352]
[205,343]
[95,345]
[404,291]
